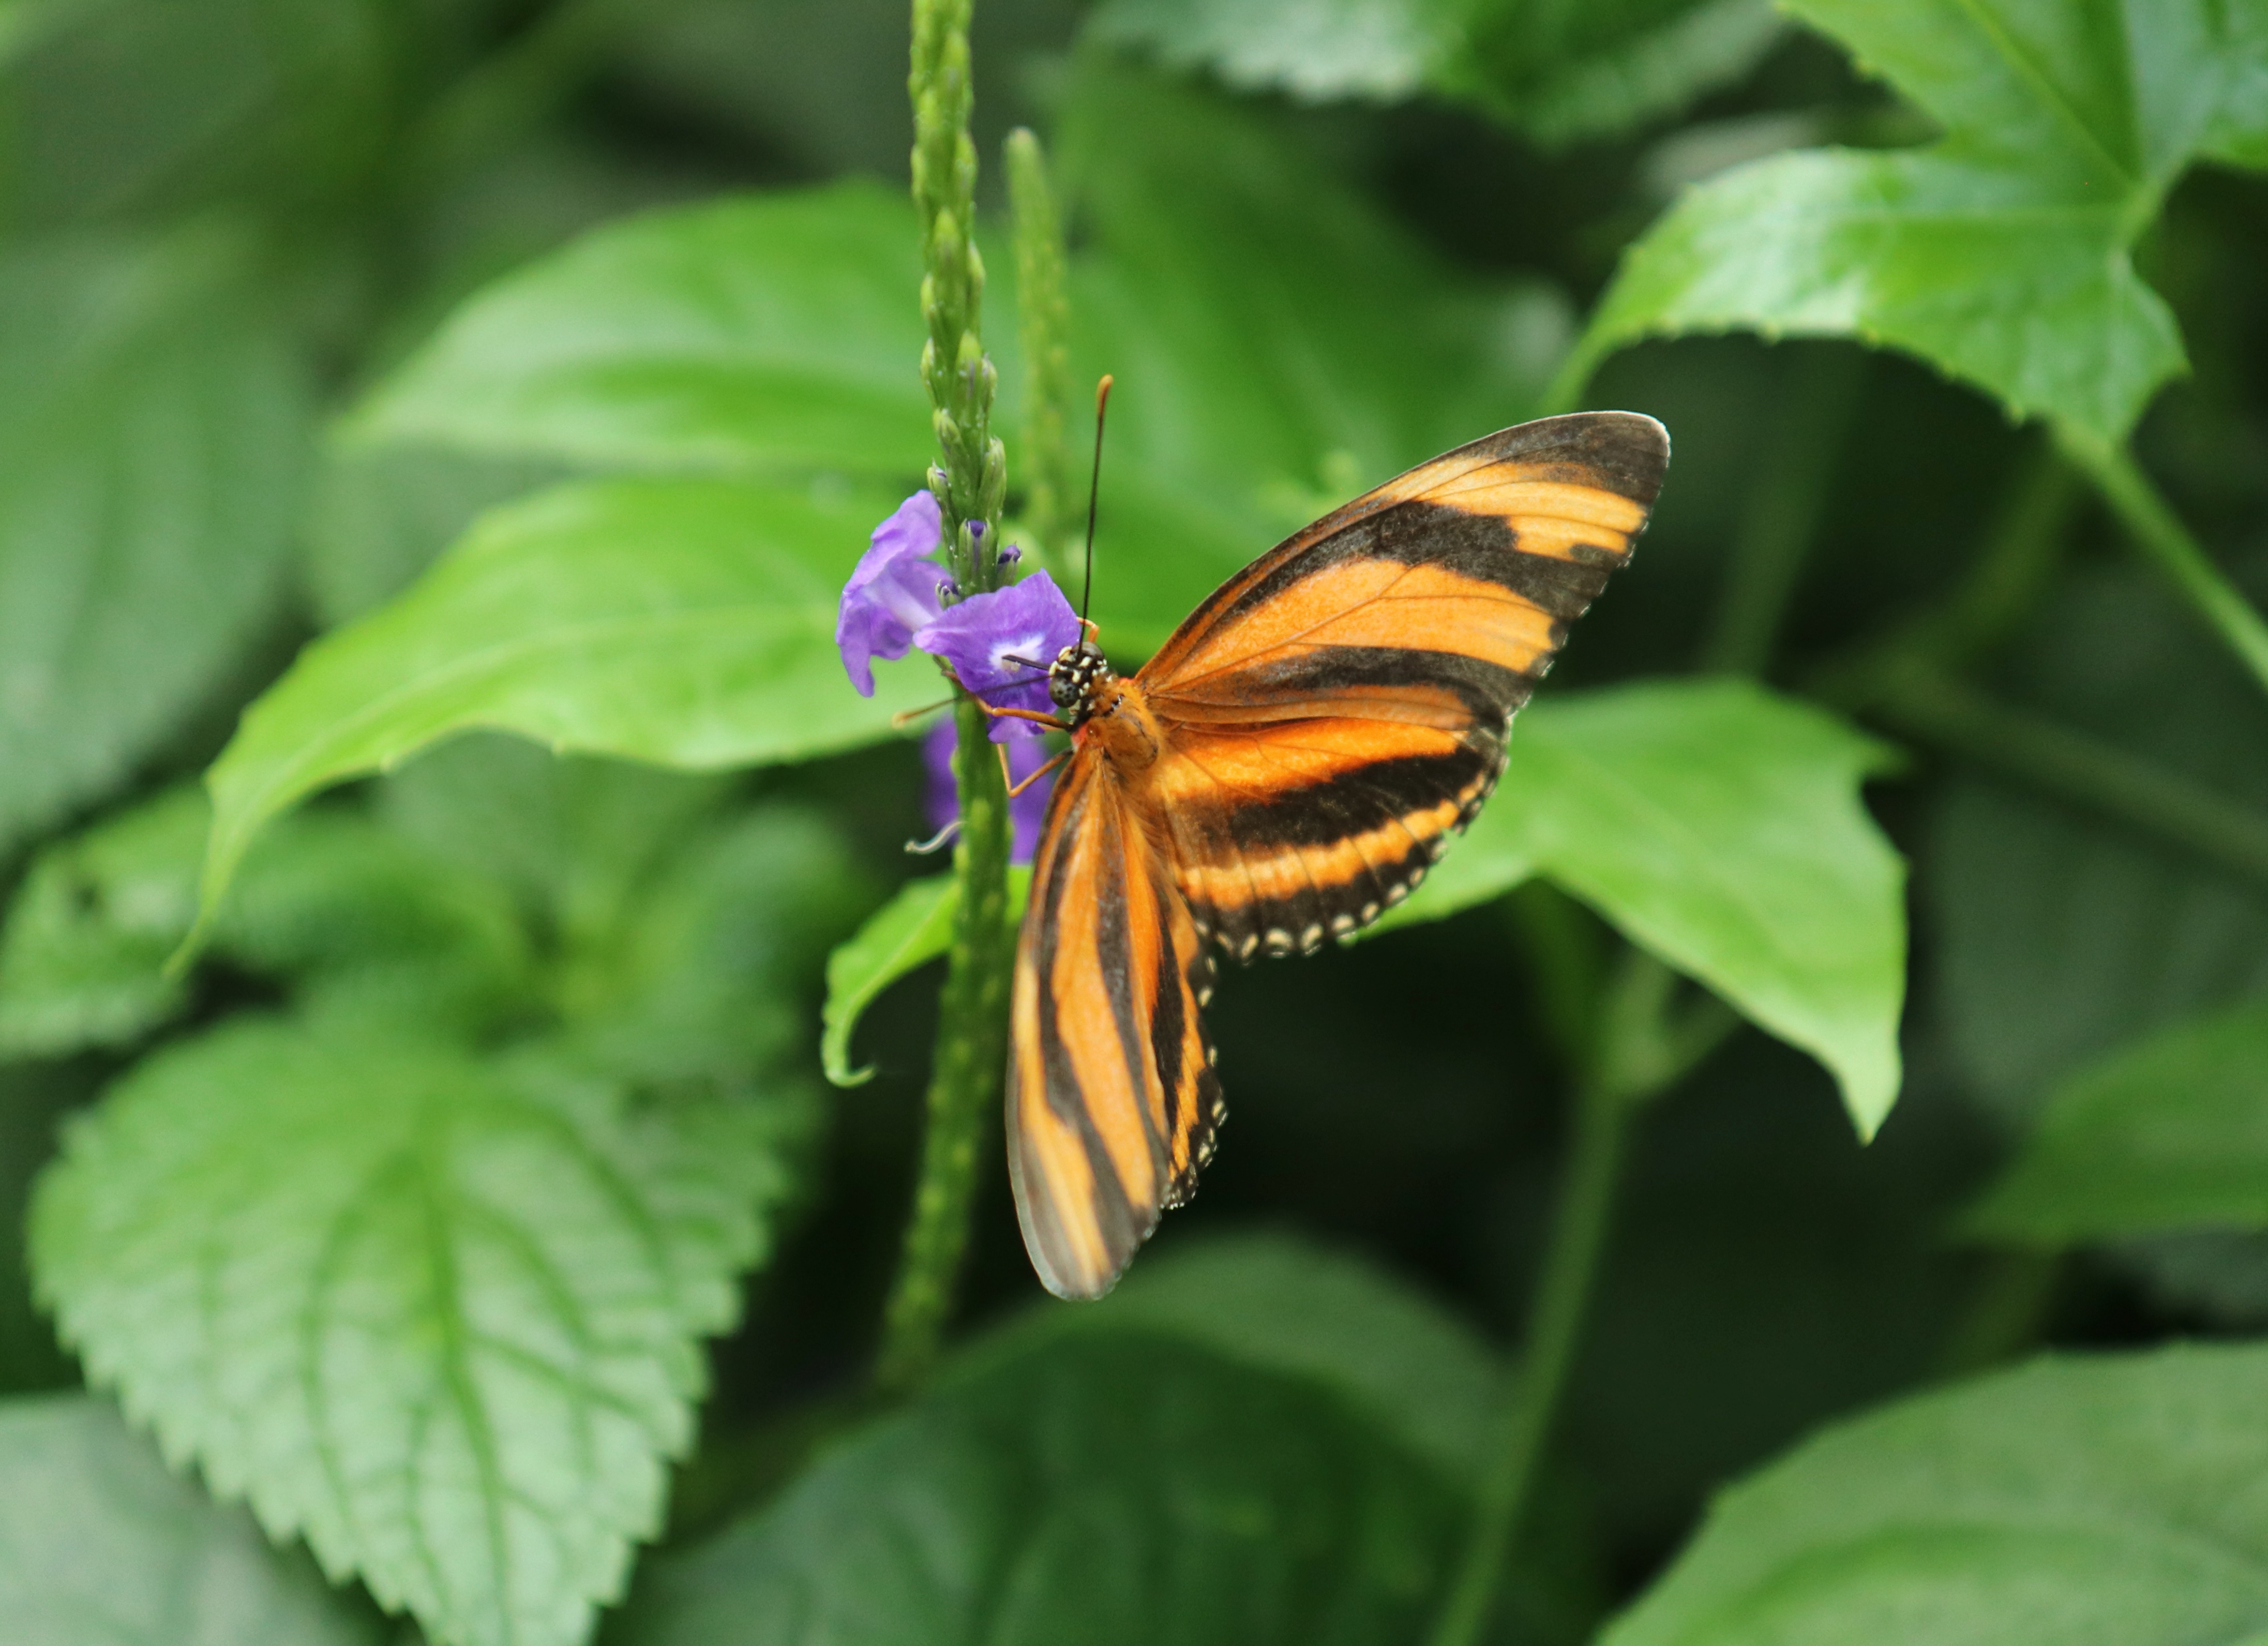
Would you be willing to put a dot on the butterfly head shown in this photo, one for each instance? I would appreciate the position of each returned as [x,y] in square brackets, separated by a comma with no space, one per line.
[1074,678]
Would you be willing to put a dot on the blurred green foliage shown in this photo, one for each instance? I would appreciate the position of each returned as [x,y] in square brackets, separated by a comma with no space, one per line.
[450,424]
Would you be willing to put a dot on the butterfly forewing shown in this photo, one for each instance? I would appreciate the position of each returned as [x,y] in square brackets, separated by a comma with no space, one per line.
[1340,708]
[1112,1098]
[1544,512]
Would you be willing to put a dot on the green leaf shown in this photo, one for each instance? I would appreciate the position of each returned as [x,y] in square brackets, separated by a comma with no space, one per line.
[1103,1488]
[904,935]
[683,935]
[153,433]
[100,1543]
[383,514]
[1382,50]
[706,976]
[152,107]
[576,840]
[84,950]
[690,623]
[1719,827]
[335,904]
[2002,252]
[1282,1305]
[778,333]
[440,1318]
[1278,340]
[1331,1320]
[2237,130]
[1557,73]
[1565,74]
[24,23]
[2170,1133]
[2032,299]
[345,909]
[2070,1500]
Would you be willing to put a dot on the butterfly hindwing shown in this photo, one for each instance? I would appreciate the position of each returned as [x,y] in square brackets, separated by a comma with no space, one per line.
[1112,1099]
[1340,708]
[1310,828]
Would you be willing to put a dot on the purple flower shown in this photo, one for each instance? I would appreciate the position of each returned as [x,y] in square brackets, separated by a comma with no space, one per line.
[1030,620]
[942,799]
[892,592]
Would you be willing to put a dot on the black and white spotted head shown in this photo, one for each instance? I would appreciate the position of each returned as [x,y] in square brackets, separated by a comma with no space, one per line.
[1074,678]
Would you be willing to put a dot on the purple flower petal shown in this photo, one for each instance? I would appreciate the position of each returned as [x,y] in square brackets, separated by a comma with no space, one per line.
[892,592]
[941,798]
[1029,620]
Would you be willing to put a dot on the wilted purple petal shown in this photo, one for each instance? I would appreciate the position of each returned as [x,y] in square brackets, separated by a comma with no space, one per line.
[892,592]
[1029,620]
[941,796]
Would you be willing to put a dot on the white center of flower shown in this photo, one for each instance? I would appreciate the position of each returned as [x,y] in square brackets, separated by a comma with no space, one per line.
[1028,647]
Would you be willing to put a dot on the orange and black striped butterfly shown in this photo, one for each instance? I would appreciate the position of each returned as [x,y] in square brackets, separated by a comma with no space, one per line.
[1285,769]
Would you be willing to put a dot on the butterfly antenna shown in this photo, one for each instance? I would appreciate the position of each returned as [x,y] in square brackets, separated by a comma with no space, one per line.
[1093,494]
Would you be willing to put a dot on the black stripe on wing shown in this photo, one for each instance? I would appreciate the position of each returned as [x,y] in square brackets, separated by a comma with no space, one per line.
[1483,547]
[1331,680]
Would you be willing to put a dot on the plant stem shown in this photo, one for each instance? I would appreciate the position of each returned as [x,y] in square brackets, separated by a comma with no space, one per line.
[2021,551]
[2159,531]
[1936,707]
[1569,950]
[1642,1047]
[1043,307]
[1909,681]
[969,483]
[1782,519]
[964,1074]
[971,480]
[1568,384]
[1555,1321]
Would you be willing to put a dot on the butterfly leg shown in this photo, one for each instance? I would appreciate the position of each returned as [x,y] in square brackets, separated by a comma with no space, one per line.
[904,717]
[1015,788]
[1054,723]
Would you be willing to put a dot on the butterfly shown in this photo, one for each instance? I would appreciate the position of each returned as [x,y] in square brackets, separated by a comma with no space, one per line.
[1283,770]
